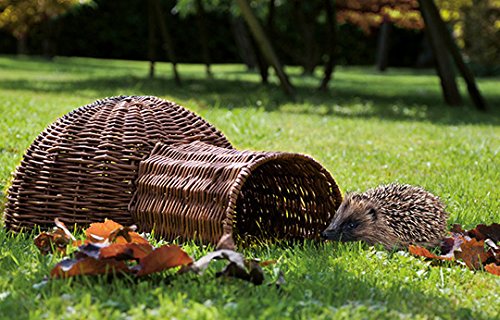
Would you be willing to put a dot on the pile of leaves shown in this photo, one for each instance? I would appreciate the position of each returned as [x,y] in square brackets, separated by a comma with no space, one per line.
[110,248]
[478,248]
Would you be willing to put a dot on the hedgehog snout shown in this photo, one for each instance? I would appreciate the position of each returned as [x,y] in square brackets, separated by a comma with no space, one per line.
[331,233]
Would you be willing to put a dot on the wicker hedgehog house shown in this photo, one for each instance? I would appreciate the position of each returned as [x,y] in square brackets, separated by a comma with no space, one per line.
[151,162]
[82,168]
[200,191]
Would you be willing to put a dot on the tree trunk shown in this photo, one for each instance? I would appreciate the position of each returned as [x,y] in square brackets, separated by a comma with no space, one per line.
[331,33]
[202,27]
[168,43]
[243,43]
[265,45]
[306,22]
[48,46]
[22,44]
[443,62]
[151,39]
[446,37]
[383,45]
[262,64]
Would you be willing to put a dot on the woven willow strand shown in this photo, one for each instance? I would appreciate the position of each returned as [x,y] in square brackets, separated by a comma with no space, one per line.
[82,168]
[202,191]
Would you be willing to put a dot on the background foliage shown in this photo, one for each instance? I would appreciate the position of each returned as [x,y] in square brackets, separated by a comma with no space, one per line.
[118,29]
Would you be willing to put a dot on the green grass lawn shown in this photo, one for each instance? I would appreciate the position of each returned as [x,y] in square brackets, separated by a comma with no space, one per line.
[371,128]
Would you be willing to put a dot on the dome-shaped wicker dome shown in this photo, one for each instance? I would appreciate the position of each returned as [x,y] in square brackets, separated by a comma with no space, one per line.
[82,168]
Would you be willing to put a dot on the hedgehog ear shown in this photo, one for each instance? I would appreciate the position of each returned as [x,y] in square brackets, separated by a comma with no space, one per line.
[372,212]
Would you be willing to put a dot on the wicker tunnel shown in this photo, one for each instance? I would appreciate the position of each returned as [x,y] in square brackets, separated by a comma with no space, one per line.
[82,168]
[202,191]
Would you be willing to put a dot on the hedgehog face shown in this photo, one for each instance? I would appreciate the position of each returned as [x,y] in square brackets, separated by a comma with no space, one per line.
[355,220]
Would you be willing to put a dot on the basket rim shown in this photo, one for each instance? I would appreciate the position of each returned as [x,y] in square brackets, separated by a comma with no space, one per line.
[246,173]
[262,158]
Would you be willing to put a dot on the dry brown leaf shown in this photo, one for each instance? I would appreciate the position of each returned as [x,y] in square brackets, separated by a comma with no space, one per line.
[63,228]
[226,242]
[46,244]
[112,232]
[423,252]
[268,262]
[456,228]
[483,232]
[56,240]
[87,266]
[450,244]
[252,272]
[125,251]
[109,245]
[473,253]
[493,269]
[235,257]
[163,258]
[238,266]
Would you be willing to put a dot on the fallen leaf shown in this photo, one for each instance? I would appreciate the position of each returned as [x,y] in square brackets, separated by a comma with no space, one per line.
[109,247]
[251,272]
[450,244]
[125,251]
[113,232]
[493,269]
[92,250]
[226,242]
[44,242]
[483,232]
[473,253]
[62,226]
[280,281]
[238,267]
[163,258]
[235,257]
[268,263]
[58,239]
[456,228]
[100,231]
[87,266]
[423,252]
[492,245]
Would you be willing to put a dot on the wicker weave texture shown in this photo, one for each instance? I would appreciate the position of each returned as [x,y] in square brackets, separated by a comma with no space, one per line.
[199,191]
[82,168]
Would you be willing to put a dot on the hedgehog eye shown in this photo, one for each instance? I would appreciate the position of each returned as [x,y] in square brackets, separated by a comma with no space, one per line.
[352,225]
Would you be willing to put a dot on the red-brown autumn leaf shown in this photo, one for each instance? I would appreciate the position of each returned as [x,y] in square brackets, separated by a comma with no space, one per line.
[483,232]
[87,266]
[473,253]
[163,258]
[58,239]
[423,252]
[493,269]
[456,228]
[112,232]
[125,251]
[44,242]
[268,262]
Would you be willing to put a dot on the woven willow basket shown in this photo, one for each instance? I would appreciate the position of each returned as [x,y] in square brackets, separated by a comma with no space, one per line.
[199,191]
[82,168]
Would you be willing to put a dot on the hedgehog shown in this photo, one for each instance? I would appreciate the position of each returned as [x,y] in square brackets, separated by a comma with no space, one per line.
[393,215]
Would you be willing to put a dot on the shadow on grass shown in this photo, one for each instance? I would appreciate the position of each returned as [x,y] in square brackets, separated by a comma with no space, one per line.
[353,98]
